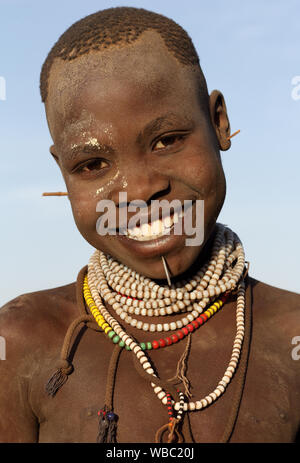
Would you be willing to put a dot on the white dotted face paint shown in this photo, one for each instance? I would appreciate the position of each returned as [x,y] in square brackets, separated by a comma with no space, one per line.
[92,142]
[111,182]
[108,184]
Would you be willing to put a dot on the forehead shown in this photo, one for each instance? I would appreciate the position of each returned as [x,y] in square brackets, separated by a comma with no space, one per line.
[139,78]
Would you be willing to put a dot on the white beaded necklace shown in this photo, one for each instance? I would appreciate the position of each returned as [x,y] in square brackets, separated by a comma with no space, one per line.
[222,273]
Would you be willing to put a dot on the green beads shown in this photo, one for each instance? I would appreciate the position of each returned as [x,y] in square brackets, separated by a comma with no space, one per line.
[146,345]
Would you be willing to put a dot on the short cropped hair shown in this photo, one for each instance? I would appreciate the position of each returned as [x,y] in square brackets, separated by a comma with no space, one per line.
[120,25]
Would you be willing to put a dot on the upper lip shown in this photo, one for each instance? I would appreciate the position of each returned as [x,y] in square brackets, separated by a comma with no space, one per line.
[162,214]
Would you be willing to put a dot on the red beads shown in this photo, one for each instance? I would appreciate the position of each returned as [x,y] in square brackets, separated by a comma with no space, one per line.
[155,344]
[174,338]
[180,334]
[162,343]
[204,317]
[169,405]
[200,320]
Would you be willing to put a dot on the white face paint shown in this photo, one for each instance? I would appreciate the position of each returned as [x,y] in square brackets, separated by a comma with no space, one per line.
[108,184]
[124,182]
[92,142]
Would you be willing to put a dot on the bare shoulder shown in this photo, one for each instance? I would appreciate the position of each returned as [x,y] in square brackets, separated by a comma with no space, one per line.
[31,328]
[276,329]
[36,316]
[278,306]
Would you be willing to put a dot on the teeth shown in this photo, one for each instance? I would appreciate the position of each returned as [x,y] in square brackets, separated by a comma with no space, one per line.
[168,222]
[154,230]
[136,231]
[157,227]
[146,229]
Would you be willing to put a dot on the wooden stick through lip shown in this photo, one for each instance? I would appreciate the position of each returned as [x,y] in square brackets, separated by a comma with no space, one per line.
[166,270]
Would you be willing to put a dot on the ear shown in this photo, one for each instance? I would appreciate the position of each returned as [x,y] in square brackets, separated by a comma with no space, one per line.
[54,153]
[219,118]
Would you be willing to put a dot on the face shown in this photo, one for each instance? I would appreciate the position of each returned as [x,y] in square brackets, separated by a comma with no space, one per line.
[130,120]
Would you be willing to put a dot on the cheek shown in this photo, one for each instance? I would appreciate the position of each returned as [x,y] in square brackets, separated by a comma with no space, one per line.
[204,173]
[84,213]
[85,217]
[83,203]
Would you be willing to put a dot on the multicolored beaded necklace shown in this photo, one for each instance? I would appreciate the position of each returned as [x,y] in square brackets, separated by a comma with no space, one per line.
[148,345]
[127,292]
[198,299]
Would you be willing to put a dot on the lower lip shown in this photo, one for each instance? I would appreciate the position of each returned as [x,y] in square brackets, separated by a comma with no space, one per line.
[155,247]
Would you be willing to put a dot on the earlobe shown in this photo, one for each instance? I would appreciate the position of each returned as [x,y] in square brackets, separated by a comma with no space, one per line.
[220,119]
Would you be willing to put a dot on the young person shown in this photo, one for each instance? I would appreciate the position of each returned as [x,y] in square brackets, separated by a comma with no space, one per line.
[120,355]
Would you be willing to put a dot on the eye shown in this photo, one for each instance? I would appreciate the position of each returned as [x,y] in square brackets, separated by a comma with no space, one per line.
[92,166]
[166,141]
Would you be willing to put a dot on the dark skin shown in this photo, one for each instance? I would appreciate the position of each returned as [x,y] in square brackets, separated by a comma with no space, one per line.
[114,111]
[180,159]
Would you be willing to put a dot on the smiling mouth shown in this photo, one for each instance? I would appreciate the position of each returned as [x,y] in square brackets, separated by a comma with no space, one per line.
[153,230]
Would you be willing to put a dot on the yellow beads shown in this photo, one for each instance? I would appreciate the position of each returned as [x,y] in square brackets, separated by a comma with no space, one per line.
[213,308]
[93,308]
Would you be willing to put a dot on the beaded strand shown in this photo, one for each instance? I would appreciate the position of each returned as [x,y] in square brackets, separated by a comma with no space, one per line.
[146,298]
[148,345]
[221,274]
[170,407]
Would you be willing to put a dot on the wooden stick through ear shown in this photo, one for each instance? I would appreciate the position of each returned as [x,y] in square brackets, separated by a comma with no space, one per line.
[233,135]
[55,193]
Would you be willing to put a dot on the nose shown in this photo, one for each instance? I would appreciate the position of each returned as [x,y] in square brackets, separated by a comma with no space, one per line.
[143,182]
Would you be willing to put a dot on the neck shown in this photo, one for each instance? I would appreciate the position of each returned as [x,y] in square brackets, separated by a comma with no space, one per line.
[143,315]
[201,259]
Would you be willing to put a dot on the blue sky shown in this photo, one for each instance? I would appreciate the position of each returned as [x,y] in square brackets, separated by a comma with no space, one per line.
[248,50]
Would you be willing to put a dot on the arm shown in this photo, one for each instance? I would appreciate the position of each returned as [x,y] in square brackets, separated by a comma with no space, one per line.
[17,420]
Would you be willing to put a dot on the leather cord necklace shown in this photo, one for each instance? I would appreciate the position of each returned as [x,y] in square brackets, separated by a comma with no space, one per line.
[66,368]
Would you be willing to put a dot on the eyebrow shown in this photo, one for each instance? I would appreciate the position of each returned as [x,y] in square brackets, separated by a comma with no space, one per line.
[154,126]
[86,148]
[161,123]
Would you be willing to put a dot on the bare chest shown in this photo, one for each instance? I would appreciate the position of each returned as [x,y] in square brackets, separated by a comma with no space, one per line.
[259,405]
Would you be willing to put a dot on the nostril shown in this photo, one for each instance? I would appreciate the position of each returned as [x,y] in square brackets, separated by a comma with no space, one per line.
[160,193]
